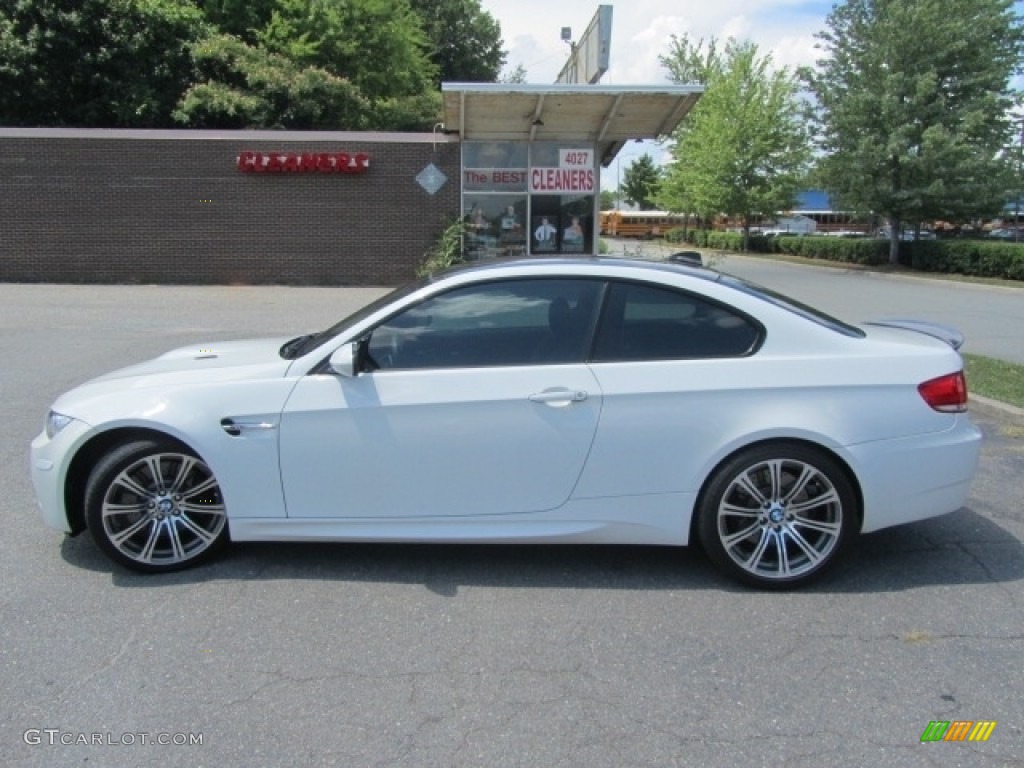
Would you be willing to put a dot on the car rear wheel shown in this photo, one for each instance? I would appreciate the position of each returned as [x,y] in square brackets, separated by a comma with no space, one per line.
[777,515]
[153,506]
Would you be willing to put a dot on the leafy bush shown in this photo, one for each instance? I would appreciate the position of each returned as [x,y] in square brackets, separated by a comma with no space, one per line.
[846,250]
[966,257]
[447,251]
[979,258]
[707,238]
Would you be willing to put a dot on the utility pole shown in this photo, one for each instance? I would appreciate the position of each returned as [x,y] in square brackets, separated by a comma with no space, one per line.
[1017,187]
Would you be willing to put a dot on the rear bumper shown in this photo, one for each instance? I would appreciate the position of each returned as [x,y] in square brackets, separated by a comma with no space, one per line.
[914,478]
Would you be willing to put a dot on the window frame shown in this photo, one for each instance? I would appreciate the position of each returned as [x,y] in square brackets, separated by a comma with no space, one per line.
[603,319]
[592,333]
[601,287]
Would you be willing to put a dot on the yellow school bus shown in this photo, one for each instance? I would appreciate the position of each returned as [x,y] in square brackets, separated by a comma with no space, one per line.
[644,224]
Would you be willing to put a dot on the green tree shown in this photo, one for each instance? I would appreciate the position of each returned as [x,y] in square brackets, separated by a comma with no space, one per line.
[640,182]
[743,150]
[376,45]
[242,86]
[516,74]
[607,199]
[465,40]
[241,18]
[692,63]
[912,106]
[95,63]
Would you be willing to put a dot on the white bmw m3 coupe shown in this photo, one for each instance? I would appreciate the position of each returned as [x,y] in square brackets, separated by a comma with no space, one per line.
[535,401]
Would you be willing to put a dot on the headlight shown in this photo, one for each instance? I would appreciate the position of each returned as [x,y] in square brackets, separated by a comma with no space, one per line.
[55,422]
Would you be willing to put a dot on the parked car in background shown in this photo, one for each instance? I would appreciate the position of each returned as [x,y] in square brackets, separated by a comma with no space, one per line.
[580,400]
[909,234]
[1007,234]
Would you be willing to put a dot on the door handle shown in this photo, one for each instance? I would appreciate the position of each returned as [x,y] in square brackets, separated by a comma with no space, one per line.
[235,428]
[559,398]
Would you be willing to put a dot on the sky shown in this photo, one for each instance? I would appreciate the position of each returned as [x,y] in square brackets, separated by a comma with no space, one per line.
[641,32]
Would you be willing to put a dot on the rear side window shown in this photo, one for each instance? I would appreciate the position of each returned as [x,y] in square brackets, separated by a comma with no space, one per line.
[645,322]
[792,305]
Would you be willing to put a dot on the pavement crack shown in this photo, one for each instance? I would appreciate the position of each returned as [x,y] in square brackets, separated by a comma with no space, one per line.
[110,663]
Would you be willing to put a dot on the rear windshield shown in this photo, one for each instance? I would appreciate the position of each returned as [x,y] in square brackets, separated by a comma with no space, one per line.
[796,307]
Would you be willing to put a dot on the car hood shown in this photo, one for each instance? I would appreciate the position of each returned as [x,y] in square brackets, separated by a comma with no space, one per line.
[194,365]
[214,361]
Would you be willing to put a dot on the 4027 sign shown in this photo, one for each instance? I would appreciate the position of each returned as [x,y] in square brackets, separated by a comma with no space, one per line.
[303,162]
[575,173]
[576,158]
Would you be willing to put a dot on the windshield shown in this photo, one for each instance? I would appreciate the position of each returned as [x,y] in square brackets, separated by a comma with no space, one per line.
[302,345]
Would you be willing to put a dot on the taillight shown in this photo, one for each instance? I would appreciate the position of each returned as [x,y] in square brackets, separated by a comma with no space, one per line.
[947,393]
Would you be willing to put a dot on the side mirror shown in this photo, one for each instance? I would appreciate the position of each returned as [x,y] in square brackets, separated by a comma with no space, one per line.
[343,360]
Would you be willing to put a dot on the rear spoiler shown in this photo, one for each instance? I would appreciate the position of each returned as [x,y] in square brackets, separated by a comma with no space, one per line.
[945,333]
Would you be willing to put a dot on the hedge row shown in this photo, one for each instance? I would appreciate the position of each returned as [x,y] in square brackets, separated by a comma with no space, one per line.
[707,238]
[965,257]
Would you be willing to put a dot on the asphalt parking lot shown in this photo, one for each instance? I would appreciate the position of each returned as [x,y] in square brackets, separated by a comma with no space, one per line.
[400,655]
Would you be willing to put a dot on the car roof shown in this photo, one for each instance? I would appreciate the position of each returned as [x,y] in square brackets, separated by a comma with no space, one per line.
[628,268]
[556,264]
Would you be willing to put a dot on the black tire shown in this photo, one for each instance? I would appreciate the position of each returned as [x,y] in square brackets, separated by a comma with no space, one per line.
[154,506]
[777,515]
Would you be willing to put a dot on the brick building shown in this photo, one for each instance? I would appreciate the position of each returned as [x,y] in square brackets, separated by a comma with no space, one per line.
[176,207]
[520,163]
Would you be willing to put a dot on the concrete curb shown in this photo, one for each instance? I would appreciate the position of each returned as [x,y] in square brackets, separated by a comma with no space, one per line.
[995,408]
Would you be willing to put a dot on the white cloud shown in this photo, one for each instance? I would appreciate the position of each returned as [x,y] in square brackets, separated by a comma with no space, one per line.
[635,60]
[641,31]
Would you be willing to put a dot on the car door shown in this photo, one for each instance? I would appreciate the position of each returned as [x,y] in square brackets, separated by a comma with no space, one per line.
[676,381]
[476,401]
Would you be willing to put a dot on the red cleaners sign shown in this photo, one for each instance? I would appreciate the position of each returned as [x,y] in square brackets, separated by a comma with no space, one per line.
[303,162]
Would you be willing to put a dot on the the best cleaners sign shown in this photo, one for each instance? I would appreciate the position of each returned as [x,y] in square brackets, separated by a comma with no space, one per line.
[575,173]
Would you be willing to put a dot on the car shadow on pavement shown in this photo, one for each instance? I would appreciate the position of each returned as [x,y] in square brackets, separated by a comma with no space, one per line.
[959,549]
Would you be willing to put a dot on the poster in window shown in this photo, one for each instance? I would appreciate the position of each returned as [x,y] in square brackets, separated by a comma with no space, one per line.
[545,235]
[572,236]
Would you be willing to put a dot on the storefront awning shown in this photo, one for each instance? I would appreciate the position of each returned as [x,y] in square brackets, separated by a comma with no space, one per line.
[605,115]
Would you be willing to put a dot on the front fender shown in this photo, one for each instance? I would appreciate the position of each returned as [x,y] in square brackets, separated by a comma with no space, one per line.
[245,461]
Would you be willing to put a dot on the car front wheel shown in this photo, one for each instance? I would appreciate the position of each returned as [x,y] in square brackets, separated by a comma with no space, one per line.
[153,506]
[777,515]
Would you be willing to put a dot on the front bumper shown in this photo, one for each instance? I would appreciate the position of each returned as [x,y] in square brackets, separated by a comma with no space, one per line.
[49,459]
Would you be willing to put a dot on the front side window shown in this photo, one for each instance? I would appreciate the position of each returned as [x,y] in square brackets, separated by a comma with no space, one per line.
[513,322]
[645,322]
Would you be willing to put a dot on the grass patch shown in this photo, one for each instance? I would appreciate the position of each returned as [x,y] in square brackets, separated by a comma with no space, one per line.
[997,379]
